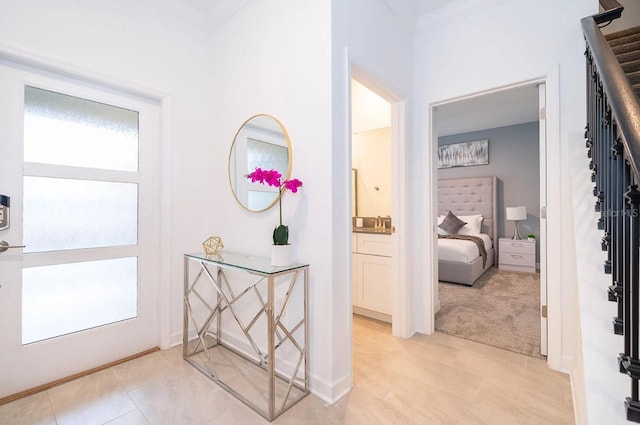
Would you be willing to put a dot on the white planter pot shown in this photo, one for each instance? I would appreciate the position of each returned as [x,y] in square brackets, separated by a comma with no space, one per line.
[281,255]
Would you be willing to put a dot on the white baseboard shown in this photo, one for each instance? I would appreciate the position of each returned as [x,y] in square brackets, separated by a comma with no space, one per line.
[372,314]
[566,365]
[320,388]
[176,339]
[578,394]
[330,394]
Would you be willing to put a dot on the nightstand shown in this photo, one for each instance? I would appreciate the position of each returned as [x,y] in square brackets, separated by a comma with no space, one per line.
[518,255]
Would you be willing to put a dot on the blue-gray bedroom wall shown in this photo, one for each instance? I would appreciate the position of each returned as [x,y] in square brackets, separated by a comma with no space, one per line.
[514,158]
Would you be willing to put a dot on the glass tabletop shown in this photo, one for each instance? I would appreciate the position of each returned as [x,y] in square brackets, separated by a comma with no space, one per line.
[246,262]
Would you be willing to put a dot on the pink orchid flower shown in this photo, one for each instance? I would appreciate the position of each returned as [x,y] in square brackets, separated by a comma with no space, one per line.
[272,178]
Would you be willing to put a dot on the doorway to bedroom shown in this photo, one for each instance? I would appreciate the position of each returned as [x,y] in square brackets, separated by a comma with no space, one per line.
[492,297]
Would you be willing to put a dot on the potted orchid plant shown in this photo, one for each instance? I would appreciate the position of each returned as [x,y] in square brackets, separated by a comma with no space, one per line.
[281,232]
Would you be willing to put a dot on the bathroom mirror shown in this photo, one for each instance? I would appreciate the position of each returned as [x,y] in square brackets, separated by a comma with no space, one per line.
[261,141]
[354,193]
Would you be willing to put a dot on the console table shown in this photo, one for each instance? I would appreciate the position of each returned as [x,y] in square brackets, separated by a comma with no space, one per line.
[245,327]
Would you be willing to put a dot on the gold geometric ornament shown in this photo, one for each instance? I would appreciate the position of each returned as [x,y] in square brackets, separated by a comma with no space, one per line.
[213,245]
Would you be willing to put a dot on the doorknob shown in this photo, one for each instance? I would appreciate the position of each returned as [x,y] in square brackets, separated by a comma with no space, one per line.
[4,245]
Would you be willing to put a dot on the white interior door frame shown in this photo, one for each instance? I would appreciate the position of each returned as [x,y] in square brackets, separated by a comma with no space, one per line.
[556,316]
[550,172]
[542,126]
[162,160]
[401,315]
[27,58]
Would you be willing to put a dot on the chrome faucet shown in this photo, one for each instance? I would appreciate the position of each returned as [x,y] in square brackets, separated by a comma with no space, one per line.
[379,223]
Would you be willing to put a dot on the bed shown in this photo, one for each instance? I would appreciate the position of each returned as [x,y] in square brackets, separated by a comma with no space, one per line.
[459,260]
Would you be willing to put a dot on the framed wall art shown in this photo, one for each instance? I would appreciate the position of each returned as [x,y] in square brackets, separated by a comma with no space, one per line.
[464,154]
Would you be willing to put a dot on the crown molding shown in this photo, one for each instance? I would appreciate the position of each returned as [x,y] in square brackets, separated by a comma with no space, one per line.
[451,13]
[186,12]
[201,15]
[403,11]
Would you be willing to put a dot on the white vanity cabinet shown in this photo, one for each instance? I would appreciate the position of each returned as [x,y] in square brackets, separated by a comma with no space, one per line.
[371,281]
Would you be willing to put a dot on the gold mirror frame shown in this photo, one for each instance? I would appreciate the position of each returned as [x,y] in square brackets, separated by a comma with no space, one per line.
[259,136]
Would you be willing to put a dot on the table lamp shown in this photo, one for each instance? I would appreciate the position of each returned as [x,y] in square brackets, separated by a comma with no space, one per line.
[516,214]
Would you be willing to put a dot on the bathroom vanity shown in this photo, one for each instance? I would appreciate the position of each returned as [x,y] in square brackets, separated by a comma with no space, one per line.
[372,291]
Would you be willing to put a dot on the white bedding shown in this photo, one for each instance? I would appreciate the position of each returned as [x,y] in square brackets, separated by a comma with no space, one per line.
[461,251]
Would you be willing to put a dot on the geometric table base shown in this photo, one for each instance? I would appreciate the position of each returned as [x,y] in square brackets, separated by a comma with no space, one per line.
[249,334]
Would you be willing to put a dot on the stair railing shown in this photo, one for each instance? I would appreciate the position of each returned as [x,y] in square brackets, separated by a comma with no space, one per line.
[613,142]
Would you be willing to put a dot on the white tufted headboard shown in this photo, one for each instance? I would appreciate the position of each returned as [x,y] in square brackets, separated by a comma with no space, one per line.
[468,196]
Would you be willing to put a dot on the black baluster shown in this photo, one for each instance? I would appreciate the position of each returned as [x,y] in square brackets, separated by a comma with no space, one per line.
[600,158]
[623,358]
[616,290]
[632,365]
[609,196]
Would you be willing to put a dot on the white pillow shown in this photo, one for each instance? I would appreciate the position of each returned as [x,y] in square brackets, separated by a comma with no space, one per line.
[473,226]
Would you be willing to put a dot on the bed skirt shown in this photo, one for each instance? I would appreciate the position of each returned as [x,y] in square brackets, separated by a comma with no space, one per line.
[464,273]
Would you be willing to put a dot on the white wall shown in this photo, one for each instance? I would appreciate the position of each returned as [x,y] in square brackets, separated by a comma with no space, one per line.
[514,155]
[289,59]
[274,58]
[371,36]
[600,400]
[371,151]
[505,43]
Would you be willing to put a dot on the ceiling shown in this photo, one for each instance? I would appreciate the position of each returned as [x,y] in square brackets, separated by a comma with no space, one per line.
[422,7]
[368,110]
[511,106]
[501,108]
[209,14]
[419,7]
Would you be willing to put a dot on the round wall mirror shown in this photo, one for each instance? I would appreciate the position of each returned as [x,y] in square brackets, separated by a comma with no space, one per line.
[261,141]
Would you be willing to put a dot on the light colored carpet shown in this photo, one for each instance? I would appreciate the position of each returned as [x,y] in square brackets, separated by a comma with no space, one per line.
[501,309]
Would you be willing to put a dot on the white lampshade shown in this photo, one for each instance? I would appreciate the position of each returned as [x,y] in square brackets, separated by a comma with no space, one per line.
[516,213]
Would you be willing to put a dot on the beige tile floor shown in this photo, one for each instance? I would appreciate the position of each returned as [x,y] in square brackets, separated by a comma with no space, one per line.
[425,380]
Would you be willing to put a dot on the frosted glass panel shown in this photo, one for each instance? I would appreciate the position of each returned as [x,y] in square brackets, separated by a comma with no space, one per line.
[267,156]
[61,299]
[62,214]
[66,130]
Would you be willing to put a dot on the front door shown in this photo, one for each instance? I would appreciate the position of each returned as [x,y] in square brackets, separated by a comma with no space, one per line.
[78,170]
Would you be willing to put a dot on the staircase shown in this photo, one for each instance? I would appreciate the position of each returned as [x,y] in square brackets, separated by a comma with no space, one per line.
[613,141]
[626,46]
